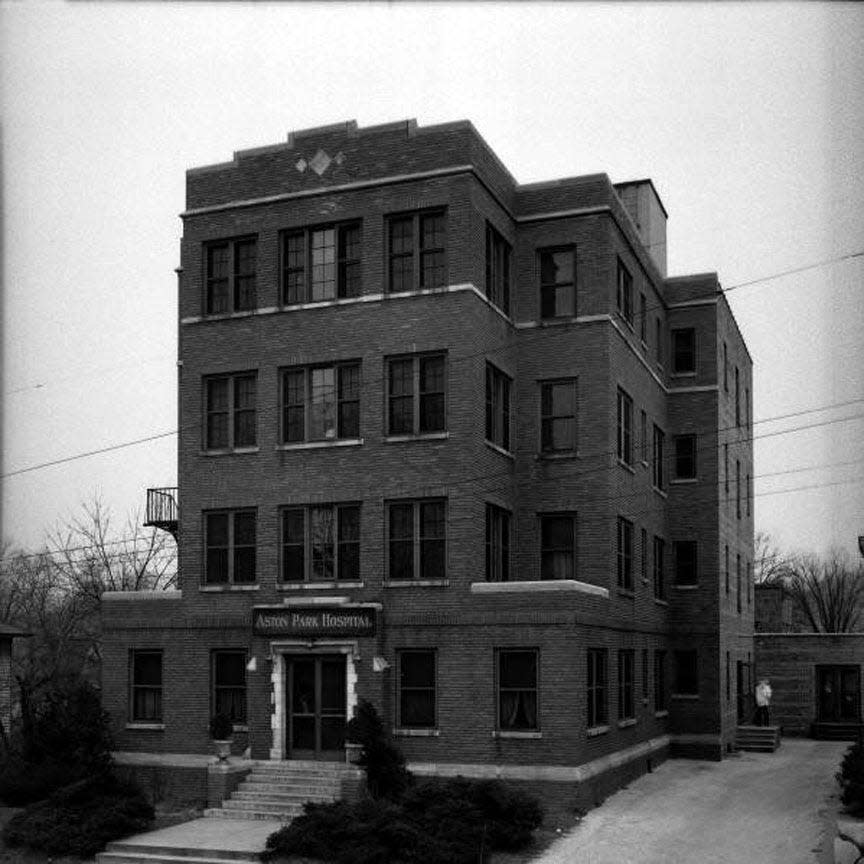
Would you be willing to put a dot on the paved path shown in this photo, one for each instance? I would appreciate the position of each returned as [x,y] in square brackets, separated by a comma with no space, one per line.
[756,808]
[226,835]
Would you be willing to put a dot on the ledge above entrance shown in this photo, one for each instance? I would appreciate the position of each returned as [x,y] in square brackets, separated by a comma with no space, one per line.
[539,587]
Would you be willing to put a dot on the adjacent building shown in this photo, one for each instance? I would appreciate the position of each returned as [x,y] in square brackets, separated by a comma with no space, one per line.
[452,444]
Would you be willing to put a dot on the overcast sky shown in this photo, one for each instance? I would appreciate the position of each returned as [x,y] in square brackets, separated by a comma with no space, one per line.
[749,119]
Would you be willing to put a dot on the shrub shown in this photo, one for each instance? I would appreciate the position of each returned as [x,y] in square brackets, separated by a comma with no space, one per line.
[437,822]
[81,818]
[851,779]
[221,727]
[386,774]
[67,740]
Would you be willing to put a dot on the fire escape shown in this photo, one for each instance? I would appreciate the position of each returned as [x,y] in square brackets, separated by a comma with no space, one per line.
[162,510]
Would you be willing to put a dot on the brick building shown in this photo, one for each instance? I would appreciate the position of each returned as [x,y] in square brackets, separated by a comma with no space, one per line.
[452,444]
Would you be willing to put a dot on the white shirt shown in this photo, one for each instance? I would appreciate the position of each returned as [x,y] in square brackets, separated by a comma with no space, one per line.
[763,695]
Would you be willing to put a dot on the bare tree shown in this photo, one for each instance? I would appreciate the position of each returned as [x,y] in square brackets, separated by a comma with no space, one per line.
[828,594]
[770,565]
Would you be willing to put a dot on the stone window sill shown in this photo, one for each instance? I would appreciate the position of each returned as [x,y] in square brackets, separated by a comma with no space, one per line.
[660,602]
[416,733]
[317,586]
[626,465]
[660,492]
[417,583]
[321,445]
[230,451]
[515,734]
[627,593]
[538,587]
[499,449]
[239,727]
[219,589]
[146,727]
[686,697]
[685,587]
[684,481]
[661,714]
[594,731]
[627,723]
[426,436]
[558,455]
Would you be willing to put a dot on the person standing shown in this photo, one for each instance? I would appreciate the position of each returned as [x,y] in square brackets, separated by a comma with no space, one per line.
[763,701]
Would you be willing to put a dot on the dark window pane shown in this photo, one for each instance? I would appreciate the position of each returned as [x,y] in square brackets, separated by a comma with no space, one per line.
[217,566]
[230,669]
[321,541]
[217,529]
[518,669]
[244,564]
[244,529]
[147,668]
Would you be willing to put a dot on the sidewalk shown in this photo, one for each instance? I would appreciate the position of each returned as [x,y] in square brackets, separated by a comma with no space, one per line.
[758,808]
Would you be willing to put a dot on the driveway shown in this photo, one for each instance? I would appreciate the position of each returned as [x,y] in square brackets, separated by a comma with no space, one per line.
[754,808]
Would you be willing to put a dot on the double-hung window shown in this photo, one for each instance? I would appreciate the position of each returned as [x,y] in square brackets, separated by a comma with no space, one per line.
[625,554]
[738,488]
[230,276]
[517,691]
[737,397]
[230,407]
[497,407]
[557,282]
[558,400]
[659,564]
[321,403]
[229,685]
[416,394]
[626,684]
[657,468]
[738,582]
[643,319]
[498,255]
[321,543]
[497,544]
[685,457]
[230,545]
[146,686]
[625,427]
[558,546]
[686,562]
[684,351]
[417,250]
[644,539]
[726,562]
[321,263]
[625,293]
[417,540]
[598,687]
[416,670]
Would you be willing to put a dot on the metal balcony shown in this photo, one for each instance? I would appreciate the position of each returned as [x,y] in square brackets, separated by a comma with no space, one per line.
[162,510]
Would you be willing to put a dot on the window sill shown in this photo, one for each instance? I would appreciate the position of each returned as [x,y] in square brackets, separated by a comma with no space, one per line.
[145,727]
[661,714]
[595,731]
[319,586]
[218,589]
[239,727]
[499,449]
[660,492]
[627,593]
[557,455]
[684,481]
[316,445]
[422,436]
[417,583]
[643,463]
[227,316]
[683,374]
[626,465]
[686,697]
[416,733]
[627,723]
[538,586]
[230,451]
[661,602]
[685,587]
[513,733]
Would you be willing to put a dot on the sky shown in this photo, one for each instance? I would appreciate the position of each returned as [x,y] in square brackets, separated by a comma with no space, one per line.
[748,118]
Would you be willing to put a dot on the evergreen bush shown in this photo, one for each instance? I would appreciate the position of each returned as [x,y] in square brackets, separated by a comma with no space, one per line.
[851,779]
[386,774]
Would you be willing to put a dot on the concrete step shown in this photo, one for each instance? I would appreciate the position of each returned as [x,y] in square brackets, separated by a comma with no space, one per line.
[264,805]
[120,847]
[277,815]
[203,856]
[299,764]
[290,780]
[278,795]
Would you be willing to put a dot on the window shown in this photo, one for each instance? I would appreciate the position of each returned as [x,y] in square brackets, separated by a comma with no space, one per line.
[598,712]
[643,319]
[230,547]
[747,493]
[738,488]
[626,671]
[558,416]
[321,403]
[321,263]
[737,398]
[726,558]
[657,467]
[497,544]
[416,391]
[321,543]
[416,539]
[686,558]
[557,283]
[558,547]
[230,276]
[658,338]
[229,685]
[230,409]
[498,253]
[687,673]
[643,436]
[659,577]
[644,539]
[685,457]
[497,407]
[417,251]
[725,368]
[738,582]
[748,575]
[726,469]
[728,677]
[625,293]
[416,689]
[625,427]
[746,407]
[625,554]
[684,351]
[146,695]
[659,680]
[517,691]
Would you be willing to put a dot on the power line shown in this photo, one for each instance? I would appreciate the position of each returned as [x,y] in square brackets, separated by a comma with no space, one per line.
[782,273]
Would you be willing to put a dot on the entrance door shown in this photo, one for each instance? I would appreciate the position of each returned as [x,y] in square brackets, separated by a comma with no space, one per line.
[839,693]
[743,691]
[316,707]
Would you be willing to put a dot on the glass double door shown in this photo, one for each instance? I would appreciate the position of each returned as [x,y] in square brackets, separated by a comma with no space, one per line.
[839,693]
[316,707]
